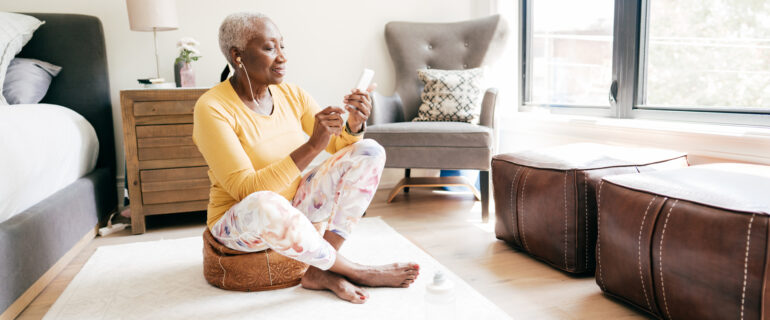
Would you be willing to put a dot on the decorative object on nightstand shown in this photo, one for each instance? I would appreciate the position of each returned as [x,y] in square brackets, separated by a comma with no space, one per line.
[152,15]
[184,75]
[165,172]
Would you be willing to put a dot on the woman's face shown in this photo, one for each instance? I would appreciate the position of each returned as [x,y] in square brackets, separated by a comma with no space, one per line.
[263,56]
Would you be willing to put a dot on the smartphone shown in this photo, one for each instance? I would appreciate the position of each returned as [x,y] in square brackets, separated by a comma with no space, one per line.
[365,80]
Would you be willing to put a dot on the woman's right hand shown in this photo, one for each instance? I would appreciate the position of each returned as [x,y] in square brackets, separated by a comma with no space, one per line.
[328,122]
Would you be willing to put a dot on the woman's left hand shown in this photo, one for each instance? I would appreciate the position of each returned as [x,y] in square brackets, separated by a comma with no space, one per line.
[359,106]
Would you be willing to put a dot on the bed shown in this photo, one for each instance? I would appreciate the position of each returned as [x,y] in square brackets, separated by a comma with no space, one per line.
[39,237]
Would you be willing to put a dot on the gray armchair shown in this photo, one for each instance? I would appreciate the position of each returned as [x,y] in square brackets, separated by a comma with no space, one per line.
[437,145]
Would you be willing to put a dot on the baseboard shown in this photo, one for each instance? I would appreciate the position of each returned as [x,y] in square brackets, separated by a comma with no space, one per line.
[25,299]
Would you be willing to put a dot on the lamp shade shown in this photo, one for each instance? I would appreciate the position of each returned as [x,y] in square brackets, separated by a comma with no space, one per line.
[149,15]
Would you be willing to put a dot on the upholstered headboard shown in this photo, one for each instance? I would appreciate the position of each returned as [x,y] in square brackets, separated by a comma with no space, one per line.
[76,43]
[446,46]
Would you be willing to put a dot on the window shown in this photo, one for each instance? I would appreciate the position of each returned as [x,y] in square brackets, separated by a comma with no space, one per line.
[710,54]
[675,59]
[571,52]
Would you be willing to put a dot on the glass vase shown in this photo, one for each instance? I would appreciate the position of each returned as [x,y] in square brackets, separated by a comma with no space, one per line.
[184,75]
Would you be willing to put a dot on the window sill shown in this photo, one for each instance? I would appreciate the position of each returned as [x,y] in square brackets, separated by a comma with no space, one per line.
[703,142]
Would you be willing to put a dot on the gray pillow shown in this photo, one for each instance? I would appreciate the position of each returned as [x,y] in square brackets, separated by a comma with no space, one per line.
[27,80]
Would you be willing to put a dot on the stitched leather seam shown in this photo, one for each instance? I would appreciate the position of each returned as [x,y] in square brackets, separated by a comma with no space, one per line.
[565,220]
[639,251]
[521,212]
[513,210]
[269,273]
[585,195]
[598,236]
[224,272]
[660,258]
[746,265]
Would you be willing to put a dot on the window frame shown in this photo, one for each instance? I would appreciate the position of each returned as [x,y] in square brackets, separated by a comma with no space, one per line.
[629,76]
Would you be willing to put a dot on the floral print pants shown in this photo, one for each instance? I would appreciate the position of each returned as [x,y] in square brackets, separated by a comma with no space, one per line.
[333,197]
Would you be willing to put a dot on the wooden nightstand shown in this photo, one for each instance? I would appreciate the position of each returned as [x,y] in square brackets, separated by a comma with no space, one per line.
[166,173]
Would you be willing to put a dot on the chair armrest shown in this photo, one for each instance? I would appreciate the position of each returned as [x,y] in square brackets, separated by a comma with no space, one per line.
[487,117]
[386,109]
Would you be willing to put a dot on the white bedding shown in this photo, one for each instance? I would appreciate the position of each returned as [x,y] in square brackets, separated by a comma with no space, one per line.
[43,148]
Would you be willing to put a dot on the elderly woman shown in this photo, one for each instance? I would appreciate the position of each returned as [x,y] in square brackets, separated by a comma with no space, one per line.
[251,131]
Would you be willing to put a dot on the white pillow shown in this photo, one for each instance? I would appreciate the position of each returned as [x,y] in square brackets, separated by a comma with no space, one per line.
[450,95]
[15,31]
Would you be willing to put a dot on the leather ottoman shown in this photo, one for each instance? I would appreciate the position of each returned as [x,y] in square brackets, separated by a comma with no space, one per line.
[248,271]
[687,243]
[545,199]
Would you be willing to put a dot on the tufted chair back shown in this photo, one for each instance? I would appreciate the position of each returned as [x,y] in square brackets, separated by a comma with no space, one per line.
[445,46]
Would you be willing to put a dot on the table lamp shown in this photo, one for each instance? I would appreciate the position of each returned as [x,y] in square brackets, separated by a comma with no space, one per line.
[152,15]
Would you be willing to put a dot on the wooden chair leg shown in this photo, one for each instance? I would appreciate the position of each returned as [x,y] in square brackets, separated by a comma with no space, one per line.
[394,192]
[432,182]
[484,177]
[407,174]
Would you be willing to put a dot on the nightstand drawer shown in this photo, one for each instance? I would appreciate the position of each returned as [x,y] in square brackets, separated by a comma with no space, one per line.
[166,142]
[155,180]
[175,196]
[168,153]
[160,108]
[169,130]
[174,185]
[170,163]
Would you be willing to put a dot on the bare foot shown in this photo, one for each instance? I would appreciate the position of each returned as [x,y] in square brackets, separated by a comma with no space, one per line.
[317,279]
[399,275]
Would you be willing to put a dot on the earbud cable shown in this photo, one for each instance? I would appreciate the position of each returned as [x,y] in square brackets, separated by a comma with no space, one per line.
[251,90]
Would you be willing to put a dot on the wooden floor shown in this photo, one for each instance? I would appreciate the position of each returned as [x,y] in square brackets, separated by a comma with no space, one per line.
[448,227]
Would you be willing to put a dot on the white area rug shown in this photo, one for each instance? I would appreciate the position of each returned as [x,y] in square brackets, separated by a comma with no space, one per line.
[164,280]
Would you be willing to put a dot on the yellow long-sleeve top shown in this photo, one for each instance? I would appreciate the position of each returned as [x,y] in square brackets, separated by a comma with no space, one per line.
[248,152]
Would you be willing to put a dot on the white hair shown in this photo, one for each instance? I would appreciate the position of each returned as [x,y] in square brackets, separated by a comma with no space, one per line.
[235,30]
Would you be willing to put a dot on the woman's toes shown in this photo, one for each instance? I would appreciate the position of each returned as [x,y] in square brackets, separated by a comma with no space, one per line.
[358,299]
[362,294]
[351,295]
[319,280]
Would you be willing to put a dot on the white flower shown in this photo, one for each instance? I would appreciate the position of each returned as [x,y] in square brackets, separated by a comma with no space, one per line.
[188,47]
[187,50]
[187,41]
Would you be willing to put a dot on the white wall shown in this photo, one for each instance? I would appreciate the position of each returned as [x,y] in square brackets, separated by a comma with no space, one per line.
[328,42]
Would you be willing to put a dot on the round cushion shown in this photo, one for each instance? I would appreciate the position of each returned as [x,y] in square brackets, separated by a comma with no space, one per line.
[248,271]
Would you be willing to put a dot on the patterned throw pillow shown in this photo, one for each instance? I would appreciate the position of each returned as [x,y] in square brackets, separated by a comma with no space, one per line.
[450,95]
